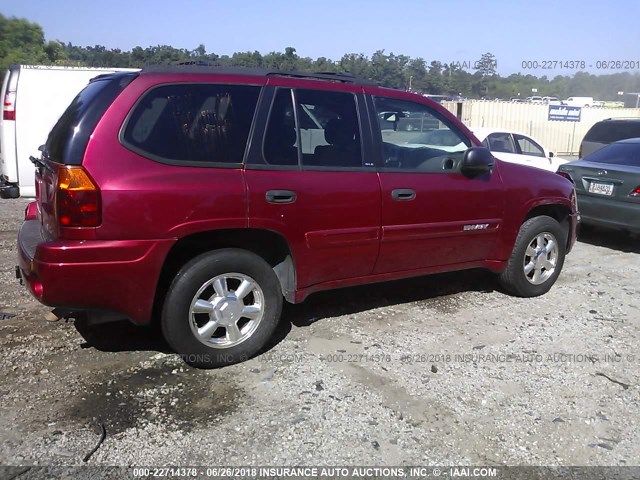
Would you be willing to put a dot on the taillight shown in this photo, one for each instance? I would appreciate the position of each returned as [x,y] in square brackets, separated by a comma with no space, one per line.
[635,192]
[565,175]
[9,106]
[77,199]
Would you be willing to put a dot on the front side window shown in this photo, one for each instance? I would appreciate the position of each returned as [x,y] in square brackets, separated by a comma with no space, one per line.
[327,133]
[500,142]
[193,123]
[528,147]
[415,137]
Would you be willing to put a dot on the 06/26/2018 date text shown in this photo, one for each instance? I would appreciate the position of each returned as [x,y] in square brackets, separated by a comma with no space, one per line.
[580,64]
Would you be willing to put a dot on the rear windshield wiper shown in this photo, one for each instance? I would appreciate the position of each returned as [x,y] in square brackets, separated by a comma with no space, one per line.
[40,163]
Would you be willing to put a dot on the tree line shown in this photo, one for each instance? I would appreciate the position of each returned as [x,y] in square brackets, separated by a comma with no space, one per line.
[23,42]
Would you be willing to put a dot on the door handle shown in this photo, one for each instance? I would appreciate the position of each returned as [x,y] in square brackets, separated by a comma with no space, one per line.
[280,196]
[403,194]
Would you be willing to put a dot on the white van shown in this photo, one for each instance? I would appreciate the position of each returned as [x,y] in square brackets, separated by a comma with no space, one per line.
[34,97]
[578,102]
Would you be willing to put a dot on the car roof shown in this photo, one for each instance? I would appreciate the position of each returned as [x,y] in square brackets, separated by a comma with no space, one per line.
[255,72]
[621,119]
[484,132]
[629,140]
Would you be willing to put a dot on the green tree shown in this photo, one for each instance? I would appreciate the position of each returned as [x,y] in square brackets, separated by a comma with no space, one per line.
[21,42]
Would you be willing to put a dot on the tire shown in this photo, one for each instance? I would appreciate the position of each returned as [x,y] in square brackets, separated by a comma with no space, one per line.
[527,275]
[203,298]
[10,192]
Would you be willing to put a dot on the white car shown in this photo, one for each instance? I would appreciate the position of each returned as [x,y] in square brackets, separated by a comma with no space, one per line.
[516,147]
[536,100]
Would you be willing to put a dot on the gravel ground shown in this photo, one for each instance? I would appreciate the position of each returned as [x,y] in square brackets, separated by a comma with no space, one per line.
[442,370]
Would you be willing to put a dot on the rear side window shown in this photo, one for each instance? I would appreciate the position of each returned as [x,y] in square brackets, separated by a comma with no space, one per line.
[328,135]
[193,123]
[617,154]
[68,138]
[527,146]
[609,132]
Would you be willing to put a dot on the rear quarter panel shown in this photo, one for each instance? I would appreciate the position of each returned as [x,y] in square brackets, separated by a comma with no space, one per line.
[145,199]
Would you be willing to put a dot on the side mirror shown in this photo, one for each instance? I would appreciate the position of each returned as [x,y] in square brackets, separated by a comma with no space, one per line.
[551,154]
[476,161]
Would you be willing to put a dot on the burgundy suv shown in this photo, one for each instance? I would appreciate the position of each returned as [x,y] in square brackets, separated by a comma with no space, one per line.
[204,196]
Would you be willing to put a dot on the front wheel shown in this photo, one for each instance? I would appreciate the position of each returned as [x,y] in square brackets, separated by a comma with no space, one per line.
[537,258]
[222,308]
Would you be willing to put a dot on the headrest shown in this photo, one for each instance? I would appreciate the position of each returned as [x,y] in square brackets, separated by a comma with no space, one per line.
[339,132]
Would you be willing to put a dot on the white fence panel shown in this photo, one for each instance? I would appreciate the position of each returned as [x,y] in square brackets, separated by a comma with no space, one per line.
[561,137]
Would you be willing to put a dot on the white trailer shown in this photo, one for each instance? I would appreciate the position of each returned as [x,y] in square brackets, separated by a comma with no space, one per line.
[34,97]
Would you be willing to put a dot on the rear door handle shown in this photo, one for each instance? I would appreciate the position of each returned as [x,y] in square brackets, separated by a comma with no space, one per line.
[280,196]
[403,194]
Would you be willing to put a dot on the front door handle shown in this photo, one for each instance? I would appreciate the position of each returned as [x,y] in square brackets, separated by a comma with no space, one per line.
[280,196]
[401,194]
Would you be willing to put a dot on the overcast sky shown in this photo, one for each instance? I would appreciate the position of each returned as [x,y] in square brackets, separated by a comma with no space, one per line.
[444,30]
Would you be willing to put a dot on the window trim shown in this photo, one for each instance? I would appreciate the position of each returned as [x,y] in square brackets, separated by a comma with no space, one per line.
[188,163]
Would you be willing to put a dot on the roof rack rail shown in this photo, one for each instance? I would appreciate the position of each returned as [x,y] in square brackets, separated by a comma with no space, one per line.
[199,63]
[200,66]
[334,76]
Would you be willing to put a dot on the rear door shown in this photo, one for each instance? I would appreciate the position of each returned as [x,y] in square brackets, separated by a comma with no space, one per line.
[432,214]
[313,180]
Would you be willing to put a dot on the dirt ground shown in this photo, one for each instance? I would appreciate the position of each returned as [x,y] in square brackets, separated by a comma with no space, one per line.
[441,370]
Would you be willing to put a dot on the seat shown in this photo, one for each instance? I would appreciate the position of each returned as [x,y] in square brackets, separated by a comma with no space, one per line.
[279,147]
[343,149]
[499,146]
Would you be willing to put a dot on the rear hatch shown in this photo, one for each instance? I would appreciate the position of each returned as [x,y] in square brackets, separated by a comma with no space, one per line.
[612,172]
[67,196]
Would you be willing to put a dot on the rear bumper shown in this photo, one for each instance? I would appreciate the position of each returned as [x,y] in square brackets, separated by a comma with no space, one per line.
[609,213]
[117,276]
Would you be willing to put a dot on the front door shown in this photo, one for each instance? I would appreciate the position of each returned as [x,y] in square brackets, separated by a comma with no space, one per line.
[432,214]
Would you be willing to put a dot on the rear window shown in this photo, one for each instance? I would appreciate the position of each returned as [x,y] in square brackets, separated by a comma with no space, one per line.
[68,138]
[192,124]
[609,132]
[618,154]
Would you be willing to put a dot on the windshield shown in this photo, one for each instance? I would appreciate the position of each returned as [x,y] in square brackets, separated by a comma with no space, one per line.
[617,154]
[69,136]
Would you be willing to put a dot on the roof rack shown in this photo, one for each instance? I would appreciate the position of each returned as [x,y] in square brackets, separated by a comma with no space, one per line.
[199,66]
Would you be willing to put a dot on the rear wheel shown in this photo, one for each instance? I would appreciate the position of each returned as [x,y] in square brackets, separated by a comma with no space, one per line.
[537,257]
[222,308]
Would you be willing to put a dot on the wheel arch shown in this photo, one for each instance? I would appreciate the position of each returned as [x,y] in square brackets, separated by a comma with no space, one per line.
[269,245]
[559,212]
